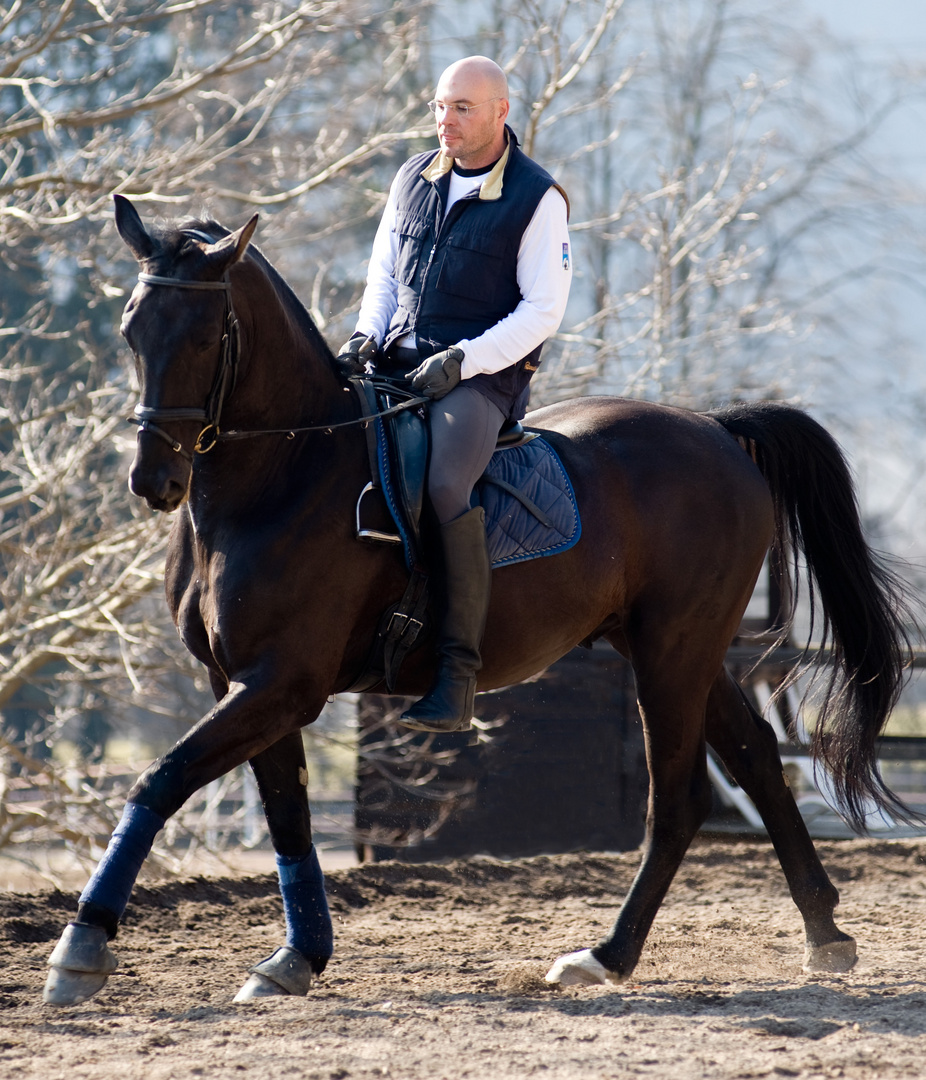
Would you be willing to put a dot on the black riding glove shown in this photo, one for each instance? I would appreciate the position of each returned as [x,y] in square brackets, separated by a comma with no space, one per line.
[354,354]
[439,374]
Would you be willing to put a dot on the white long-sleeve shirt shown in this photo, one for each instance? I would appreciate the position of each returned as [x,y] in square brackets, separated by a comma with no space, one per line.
[544,275]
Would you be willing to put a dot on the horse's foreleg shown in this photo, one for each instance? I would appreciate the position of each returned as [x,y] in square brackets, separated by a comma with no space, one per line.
[282,780]
[748,747]
[243,724]
[82,961]
[679,802]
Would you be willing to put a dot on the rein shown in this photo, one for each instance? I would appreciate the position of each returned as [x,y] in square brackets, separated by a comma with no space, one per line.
[148,418]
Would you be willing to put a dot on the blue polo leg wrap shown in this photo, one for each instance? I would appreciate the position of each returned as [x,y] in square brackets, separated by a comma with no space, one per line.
[308,920]
[113,880]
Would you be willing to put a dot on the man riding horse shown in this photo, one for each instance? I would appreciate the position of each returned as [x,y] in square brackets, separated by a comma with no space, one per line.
[469,275]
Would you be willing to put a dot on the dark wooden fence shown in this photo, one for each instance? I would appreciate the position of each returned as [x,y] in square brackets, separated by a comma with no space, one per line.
[556,765]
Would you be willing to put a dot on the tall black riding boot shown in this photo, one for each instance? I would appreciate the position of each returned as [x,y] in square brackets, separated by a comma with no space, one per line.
[448,705]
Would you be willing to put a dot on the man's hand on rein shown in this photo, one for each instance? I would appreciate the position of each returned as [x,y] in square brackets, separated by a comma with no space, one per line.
[354,354]
[439,374]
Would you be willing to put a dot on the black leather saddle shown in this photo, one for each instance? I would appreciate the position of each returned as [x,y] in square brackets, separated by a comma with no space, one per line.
[400,460]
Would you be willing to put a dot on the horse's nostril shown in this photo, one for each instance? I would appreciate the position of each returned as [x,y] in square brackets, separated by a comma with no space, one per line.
[161,487]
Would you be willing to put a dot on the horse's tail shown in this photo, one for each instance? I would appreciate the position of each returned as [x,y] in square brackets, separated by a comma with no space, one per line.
[863,603]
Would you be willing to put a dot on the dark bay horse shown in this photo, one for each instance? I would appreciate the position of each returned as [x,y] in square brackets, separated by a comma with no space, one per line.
[271,590]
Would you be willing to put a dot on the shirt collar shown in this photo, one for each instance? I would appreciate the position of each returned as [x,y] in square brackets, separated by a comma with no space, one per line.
[491,187]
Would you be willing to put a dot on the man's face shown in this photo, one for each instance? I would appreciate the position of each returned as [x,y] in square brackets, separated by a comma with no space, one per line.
[478,137]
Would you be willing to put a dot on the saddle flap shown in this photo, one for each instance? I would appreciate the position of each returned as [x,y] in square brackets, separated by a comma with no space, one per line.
[409,460]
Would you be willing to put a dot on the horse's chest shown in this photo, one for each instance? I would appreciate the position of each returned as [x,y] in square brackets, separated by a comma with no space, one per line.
[190,596]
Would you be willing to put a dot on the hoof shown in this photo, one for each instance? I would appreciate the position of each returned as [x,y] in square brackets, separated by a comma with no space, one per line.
[259,986]
[580,969]
[63,987]
[835,957]
[80,965]
[286,972]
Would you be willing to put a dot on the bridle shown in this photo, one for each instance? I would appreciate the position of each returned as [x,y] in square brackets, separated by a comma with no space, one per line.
[148,418]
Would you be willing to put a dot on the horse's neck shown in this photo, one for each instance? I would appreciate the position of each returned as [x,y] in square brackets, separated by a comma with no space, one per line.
[286,381]
[287,378]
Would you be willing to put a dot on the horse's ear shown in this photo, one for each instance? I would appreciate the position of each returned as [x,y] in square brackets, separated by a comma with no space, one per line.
[231,248]
[132,230]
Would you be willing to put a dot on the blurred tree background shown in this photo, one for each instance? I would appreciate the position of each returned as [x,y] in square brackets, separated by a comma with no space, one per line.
[737,232]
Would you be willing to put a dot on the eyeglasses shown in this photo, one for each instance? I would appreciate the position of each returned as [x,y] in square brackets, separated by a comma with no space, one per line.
[439,108]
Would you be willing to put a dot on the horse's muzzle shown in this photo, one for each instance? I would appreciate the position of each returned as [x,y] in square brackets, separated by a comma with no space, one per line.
[163,484]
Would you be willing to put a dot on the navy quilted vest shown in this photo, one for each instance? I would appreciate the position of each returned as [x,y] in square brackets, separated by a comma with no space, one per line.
[459,279]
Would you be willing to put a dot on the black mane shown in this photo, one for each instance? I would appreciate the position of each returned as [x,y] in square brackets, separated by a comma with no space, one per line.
[295,309]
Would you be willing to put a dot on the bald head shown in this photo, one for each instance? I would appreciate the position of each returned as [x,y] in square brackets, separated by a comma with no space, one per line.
[478,138]
[478,73]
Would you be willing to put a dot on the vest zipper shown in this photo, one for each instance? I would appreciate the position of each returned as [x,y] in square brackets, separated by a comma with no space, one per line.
[427,269]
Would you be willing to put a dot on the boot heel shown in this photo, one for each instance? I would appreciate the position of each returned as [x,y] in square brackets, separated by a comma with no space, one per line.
[447,707]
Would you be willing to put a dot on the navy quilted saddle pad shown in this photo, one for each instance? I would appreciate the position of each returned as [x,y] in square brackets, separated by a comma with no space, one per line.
[544,520]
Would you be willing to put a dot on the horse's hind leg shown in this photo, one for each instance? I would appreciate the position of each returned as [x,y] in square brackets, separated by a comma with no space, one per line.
[671,698]
[748,747]
[282,781]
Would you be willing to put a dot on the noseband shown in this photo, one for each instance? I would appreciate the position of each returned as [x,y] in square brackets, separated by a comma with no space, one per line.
[148,418]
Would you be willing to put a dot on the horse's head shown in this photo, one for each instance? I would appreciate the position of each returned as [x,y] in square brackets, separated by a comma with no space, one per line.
[181,328]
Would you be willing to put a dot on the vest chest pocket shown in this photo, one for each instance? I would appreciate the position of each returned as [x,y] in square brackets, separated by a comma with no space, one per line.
[478,266]
[411,237]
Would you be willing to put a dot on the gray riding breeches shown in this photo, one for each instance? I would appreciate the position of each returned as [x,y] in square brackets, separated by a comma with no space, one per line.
[464,431]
